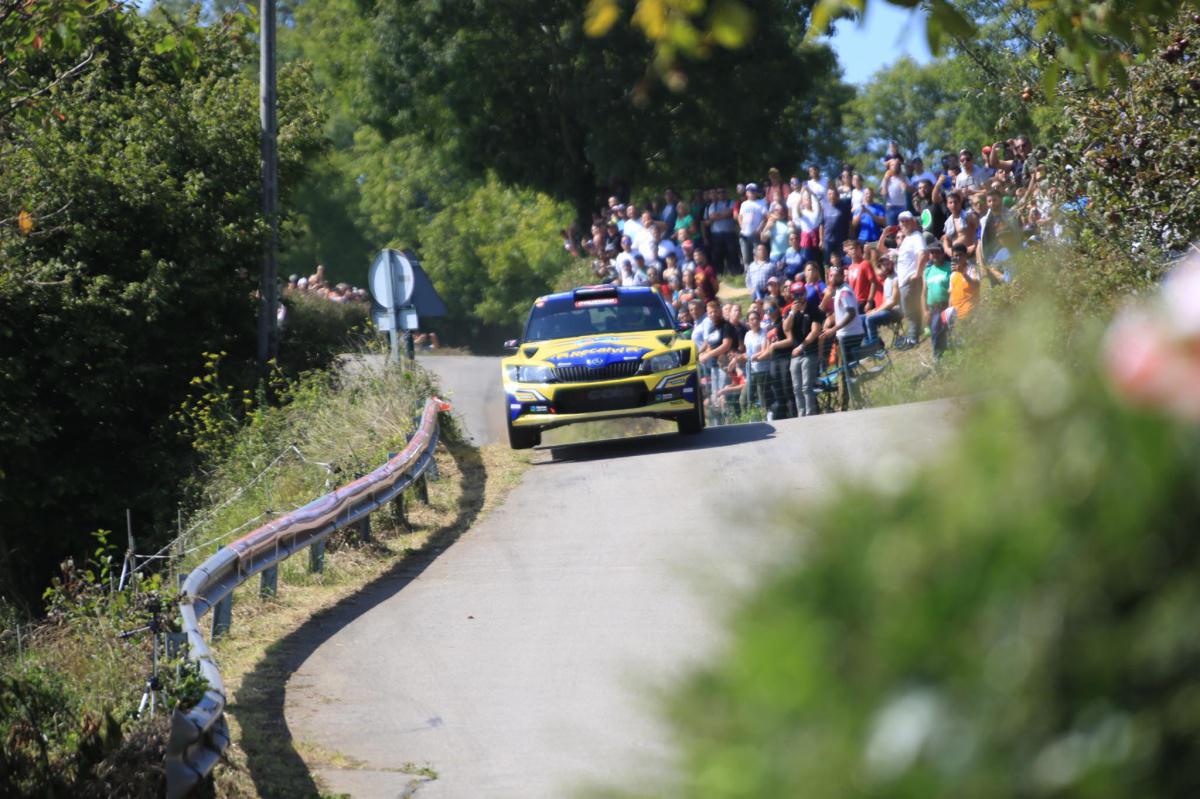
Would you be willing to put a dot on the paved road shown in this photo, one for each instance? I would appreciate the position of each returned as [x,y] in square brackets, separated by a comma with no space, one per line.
[522,662]
[472,384]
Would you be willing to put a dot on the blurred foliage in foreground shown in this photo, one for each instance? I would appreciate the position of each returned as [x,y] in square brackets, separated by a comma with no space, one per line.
[1015,619]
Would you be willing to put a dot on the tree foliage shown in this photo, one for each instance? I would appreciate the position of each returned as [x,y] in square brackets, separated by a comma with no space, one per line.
[142,237]
[520,88]
[1131,151]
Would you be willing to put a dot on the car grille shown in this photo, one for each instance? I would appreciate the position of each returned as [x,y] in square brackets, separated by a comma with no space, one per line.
[606,398]
[582,374]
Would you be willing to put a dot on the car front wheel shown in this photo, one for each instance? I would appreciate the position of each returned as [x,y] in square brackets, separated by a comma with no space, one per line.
[692,422]
[523,437]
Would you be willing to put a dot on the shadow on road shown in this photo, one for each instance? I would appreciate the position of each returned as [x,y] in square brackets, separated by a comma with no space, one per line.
[663,442]
[271,757]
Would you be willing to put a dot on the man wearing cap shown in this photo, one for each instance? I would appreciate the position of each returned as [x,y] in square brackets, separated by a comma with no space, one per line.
[752,215]
[626,253]
[936,297]
[687,262]
[910,261]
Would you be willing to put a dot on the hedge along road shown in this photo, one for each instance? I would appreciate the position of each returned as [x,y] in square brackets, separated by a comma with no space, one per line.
[524,661]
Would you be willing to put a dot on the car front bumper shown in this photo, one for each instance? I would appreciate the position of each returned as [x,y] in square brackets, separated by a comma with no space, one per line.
[547,405]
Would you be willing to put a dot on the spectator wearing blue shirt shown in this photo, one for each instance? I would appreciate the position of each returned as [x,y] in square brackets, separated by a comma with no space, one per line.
[758,272]
[836,220]
[870,218]
[792,262]
[670,212]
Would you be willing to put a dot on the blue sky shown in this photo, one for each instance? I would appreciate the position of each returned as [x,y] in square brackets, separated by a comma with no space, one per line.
[886,33]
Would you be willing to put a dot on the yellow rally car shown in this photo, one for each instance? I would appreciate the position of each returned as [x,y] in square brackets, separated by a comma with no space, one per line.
[599,352]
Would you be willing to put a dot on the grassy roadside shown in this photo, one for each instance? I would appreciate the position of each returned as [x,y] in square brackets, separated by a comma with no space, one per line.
[269,638]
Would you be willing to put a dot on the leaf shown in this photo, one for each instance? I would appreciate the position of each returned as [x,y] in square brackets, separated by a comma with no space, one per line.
[825,12]
[25,223]
[1050,81]
[600,16]
[951,19]
[731,24]
[166,44]
[651,17]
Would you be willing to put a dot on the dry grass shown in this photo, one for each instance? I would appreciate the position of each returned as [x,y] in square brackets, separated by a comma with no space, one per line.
[335,428]
[269,638]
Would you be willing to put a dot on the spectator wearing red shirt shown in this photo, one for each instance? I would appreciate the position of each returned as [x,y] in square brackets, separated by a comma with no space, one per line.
[860,275]
[706,276]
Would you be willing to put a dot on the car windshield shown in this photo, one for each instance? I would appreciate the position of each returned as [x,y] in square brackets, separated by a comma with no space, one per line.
[565,319]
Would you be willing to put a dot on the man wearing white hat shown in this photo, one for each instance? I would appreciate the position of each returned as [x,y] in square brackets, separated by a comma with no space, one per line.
[910,264]
[751,218]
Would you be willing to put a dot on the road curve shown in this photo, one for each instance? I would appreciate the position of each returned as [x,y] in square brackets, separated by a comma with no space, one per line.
[472,384]
[522,662]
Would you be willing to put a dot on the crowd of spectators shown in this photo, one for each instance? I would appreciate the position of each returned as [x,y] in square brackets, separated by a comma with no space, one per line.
[828,264]
[316,285]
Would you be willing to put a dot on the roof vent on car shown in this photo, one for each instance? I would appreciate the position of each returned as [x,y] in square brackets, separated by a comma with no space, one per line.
[530,351]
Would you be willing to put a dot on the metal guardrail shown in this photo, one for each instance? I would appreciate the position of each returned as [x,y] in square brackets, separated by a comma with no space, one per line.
[200,736]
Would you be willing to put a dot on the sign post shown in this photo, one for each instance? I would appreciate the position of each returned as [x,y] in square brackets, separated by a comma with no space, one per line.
[391,282]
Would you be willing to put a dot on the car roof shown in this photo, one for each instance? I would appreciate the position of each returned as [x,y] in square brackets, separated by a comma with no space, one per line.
[596,291]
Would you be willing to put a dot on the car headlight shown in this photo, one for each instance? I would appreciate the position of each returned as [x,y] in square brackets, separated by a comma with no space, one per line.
[530,374]
[664,361]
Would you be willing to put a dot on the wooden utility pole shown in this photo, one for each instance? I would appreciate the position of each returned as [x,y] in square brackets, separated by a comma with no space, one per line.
[268,343]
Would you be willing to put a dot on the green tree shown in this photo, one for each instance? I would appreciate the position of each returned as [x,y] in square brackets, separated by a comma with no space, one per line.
[908,103]
[495,250]
[519,88]
[141,190]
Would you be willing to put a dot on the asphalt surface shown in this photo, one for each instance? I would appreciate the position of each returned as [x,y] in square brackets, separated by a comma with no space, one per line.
[525,660]
[472,384]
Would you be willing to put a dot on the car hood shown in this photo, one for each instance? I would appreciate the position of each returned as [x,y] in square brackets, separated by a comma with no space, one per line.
[595,351]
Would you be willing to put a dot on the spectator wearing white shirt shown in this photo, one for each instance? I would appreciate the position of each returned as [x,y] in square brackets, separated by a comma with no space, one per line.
[632,227]
[894,189]
[856,194]
[816,187]
[751,217]
[793,201]
[972,177]
[910,264]
[846,323]
[758,366]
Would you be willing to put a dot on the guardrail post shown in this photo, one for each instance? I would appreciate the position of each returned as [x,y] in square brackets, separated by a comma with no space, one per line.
[222,616]
[268,584]
[423,489]
[316,557]
[398,509]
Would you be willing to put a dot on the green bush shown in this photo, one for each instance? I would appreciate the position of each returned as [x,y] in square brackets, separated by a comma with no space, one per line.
[1008,615]
[69,693]
[140,181]
[317,331]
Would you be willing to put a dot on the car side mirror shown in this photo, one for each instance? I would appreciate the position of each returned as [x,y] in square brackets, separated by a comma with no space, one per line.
[512,344]
[683,331]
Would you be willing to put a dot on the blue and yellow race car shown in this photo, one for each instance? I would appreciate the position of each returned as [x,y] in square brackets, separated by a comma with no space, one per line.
[600,352]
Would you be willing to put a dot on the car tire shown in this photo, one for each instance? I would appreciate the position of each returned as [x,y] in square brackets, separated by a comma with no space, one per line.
[523,437]
[692,422]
